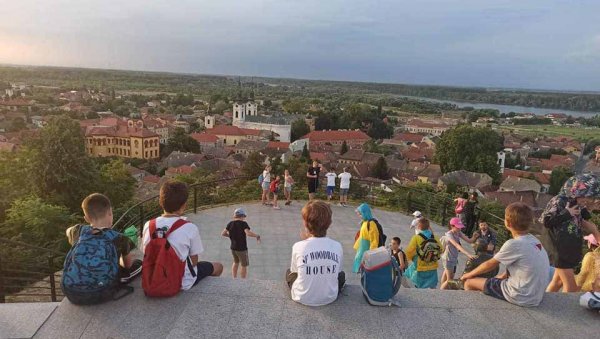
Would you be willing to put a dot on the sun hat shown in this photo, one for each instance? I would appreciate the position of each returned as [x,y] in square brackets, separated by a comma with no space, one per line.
[417,214]
[239,212]
[456,223]
[591,239]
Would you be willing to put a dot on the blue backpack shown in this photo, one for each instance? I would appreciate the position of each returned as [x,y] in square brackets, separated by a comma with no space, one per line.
[91,268]
[260,179]
[380,277]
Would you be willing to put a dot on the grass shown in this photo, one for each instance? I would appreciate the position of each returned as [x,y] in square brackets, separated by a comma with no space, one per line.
[552,130]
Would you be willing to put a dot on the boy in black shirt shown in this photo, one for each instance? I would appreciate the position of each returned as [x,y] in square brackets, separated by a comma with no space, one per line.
[313,179]
[236,231]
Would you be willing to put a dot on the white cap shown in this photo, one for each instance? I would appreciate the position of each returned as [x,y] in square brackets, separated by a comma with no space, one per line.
[417,214]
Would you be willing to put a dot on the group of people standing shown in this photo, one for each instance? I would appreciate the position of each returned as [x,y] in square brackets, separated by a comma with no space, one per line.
[270,184]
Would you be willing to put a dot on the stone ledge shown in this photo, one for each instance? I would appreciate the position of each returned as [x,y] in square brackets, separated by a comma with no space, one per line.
[225,308]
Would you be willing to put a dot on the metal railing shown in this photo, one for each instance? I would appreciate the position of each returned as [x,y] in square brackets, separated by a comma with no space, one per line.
[38,280]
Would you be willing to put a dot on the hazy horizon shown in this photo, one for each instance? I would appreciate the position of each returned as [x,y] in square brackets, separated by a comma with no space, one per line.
[538,45]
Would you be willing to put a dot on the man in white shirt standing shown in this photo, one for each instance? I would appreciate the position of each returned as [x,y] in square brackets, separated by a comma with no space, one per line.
[186,239]
[330,183]
[344,186]
[315,276]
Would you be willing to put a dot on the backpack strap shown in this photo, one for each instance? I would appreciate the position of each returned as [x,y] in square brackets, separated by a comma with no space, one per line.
[176,225]
[152,227]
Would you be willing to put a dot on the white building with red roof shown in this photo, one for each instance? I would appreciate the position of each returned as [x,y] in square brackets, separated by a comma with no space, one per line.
[319,140]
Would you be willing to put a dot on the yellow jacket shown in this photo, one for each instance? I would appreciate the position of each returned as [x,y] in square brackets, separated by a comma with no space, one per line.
[411,252]
[589,276]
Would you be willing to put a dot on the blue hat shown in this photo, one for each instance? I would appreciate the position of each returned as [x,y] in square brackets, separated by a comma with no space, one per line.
[239,212]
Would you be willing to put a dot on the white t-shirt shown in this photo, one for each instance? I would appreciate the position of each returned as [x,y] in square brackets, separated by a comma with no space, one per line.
[318,261]
[185,241]
[527,263]
[330,178]
[266,176]
[414,224]
[345,180]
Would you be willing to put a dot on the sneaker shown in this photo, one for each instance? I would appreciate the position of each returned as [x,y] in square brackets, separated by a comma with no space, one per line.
[276,207]
[132,272]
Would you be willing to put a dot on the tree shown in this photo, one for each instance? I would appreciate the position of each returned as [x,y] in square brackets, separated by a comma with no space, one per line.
[254,165]
[34,221]
[557,179]
[305,153]
[344,148]
[299,129]
[180,141]
[116,182]
[17,124]
[60,171]
[469,148]
[380,170]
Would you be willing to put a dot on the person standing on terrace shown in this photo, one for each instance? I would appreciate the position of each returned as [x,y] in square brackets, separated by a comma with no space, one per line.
[288,182]
[313,178]
[344,186]
[265,184]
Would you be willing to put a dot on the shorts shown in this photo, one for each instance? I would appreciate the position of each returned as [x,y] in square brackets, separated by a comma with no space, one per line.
[205,269]
[265,185]
[275,191]
[450,265]
[312,187]
[493,288]
[288,189]
[330,190]
[568,253]
[344,191]
[240,256]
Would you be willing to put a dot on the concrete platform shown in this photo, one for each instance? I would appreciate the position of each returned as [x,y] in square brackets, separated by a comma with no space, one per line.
[23,320]
[280,229]
[227,308]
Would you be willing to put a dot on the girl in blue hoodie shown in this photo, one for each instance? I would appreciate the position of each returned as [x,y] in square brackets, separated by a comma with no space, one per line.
[367,237]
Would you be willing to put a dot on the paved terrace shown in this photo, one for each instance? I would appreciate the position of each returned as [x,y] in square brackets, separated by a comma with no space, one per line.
[260,307]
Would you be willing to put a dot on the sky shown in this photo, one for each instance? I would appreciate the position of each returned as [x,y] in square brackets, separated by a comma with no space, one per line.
[540,44]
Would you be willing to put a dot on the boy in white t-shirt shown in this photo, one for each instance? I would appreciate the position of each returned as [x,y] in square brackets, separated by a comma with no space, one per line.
[330,183]
[185,240]
[344,186]
[315,276]
[526,261]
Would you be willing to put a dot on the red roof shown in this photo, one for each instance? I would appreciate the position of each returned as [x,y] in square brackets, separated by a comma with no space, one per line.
[278,145]
[204,137]
[540,177]
[184,169]
[16,102]
[417,154]
[336,135]
[232,130]
[7,146]
[120,131]
[152,178]
[409,137]
[317,156]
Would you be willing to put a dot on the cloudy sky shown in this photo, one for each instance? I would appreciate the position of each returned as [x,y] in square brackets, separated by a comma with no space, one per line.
[547,44]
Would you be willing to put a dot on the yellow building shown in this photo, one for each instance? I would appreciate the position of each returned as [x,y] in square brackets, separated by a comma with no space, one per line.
[123,140]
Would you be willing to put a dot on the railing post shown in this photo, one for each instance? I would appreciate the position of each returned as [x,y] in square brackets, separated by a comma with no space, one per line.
[52,281]
[195,199]
[142,216]
[2,294]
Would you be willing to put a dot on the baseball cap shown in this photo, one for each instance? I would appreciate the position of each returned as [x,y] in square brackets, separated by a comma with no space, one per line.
[591,239]
[239,212]
[456,223]
[417,214]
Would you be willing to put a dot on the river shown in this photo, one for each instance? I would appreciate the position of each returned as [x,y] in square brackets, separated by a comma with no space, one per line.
[508,108]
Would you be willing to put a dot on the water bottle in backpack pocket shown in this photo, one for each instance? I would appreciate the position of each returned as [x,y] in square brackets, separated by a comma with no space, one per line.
[380,277]
[91,268]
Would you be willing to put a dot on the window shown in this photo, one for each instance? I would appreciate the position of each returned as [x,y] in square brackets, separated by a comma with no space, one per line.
[146,154]
[146,143]
[136,144]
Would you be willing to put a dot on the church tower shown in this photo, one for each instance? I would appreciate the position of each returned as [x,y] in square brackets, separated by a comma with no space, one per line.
[209,122]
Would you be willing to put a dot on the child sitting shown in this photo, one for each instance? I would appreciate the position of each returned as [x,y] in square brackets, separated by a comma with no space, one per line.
[236,231]
[588,279]
[526,262]
[481,255]
[398,253]
[315,276]
[80,281]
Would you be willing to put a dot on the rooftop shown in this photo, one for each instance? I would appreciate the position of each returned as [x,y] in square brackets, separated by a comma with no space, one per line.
[336,135]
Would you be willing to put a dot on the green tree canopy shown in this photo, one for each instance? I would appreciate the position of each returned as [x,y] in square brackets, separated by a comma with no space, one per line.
[469,148]
[380,170]
[344,148]
[299,129]
[116,183]
[180,141]
[254,165]
[557,179]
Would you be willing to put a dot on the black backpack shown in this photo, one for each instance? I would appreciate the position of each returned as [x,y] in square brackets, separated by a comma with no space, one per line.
[382,236]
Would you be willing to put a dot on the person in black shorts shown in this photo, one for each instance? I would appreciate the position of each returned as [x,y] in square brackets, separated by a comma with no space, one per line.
[313,178]
[236,231]
[565,228]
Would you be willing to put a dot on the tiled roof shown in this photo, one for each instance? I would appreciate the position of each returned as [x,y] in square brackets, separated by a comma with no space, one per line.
[467,179]
[278,145]
[533,199]
[409,137]
[120,131]
[540,177]
[16,102]
[251,145]
[152,178]
[184,169]
[519,184]
[7,146]
[204,137]
[417,154]
[353,155]
[232,130]
[336,135]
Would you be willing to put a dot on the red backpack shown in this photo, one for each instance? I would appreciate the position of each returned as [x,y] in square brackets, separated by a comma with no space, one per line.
[162,270]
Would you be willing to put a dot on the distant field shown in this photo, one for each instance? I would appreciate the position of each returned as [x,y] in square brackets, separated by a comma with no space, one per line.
[551,130]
